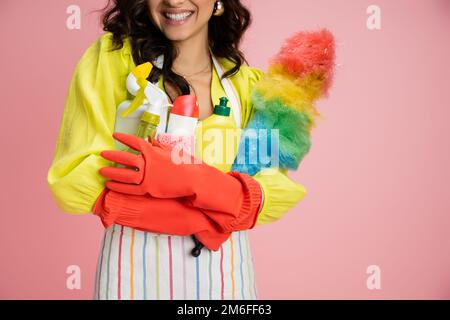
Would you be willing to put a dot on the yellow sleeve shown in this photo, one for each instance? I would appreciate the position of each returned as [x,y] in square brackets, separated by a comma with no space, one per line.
[96,89]
[280,193]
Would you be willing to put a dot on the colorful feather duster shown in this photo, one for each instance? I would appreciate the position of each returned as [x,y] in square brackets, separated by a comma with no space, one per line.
[283,100]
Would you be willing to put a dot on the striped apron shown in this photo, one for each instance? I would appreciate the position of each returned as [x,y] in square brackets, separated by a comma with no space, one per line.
[135,264]
[141,265]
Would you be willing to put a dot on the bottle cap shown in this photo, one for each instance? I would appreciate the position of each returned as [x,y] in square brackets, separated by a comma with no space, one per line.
[186,105]
[150,118]
[222,109]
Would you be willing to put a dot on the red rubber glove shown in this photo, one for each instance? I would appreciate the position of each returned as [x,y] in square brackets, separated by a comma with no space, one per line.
[166,216]
[231,200]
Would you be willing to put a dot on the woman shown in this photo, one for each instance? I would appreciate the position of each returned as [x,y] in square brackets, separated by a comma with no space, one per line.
[199,41]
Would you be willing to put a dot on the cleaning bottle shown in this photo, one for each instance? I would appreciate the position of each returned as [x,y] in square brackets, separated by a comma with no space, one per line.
[132,117]
[149,123]
[182,123]
[183,117]
[148,105]
[217,138]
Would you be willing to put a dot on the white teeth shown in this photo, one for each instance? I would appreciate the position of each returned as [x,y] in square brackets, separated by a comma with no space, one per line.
[178,16]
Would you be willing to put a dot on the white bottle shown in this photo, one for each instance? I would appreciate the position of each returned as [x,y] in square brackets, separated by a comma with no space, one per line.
[183,116]
[155,101]
[182,123]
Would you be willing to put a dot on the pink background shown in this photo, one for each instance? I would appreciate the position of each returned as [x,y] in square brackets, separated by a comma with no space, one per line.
[377,174]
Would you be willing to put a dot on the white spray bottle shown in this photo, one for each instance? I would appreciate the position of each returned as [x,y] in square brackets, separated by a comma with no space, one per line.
[146,115]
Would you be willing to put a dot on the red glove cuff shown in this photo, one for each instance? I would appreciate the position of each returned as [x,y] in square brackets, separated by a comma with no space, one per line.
[100,211]
[251,202]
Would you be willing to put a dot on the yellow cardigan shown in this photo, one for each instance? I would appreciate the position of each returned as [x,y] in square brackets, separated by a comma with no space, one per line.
[96,89]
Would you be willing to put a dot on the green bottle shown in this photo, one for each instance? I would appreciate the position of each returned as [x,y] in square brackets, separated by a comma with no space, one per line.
[147,128]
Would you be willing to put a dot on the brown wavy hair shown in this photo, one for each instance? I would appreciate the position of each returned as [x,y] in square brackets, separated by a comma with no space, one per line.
[130,18]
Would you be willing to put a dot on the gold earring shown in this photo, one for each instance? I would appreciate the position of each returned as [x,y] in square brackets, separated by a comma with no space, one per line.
[219,8]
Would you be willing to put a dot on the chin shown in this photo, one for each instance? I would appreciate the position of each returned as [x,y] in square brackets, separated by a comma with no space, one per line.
[177,36]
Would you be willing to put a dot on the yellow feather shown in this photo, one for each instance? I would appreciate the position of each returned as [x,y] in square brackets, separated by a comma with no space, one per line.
[296,94]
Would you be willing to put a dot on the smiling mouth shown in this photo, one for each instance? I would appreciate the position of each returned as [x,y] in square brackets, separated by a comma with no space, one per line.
[178,17]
